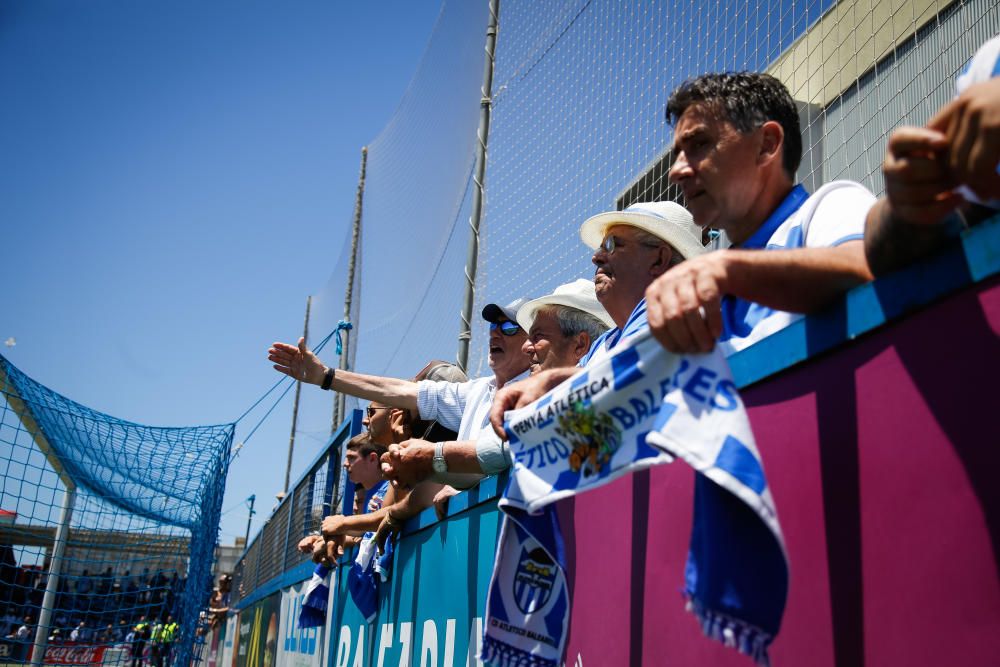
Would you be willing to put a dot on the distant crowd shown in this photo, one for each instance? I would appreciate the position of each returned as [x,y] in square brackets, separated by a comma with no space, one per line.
[98,610]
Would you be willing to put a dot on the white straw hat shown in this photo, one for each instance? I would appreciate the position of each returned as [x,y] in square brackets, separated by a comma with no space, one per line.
[663,219]
[578,294]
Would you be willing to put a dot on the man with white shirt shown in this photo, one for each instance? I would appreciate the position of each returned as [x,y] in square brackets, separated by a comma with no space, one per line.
[462,407]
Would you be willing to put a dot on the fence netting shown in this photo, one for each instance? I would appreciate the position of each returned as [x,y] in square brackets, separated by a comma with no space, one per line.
[580,89]
[140,508]
[416,205]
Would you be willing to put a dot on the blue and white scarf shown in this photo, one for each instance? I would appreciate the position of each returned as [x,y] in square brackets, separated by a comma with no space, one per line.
[317,594]
[367,574]
[639,407]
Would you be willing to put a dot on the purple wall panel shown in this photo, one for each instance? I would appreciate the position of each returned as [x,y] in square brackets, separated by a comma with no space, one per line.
[884,459]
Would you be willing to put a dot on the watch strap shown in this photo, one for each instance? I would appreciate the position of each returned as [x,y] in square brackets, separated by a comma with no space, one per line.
[327,379]
[439,462]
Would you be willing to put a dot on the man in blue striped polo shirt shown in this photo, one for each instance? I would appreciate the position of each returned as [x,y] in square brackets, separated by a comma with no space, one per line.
[737,145]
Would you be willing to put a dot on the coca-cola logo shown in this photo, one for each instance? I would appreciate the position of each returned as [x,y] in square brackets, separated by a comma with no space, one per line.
[74,655]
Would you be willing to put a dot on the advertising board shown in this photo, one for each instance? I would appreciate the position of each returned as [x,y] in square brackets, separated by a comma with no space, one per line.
[297,647]
[257,634]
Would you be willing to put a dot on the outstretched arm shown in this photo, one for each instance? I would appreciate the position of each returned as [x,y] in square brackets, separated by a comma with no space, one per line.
[300,363]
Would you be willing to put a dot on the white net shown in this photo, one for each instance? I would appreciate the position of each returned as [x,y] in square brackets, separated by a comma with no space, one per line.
[578,128]
[416,204]
[581,86]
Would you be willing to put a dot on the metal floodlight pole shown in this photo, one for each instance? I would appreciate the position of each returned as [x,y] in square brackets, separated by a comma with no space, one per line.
[359,200]
[55,570]
[295,405]
[486,104]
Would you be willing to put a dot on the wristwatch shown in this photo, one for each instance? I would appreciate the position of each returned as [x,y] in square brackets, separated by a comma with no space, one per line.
[438,463]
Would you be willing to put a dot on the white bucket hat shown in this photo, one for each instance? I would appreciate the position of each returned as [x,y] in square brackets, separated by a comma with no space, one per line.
[663,219]
[578,294]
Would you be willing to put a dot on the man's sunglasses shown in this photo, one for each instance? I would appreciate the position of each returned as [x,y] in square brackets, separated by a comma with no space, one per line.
[507,328]
[611,242]
[372,410]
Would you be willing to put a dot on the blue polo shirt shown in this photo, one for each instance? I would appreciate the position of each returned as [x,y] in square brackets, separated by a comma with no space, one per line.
[833,215]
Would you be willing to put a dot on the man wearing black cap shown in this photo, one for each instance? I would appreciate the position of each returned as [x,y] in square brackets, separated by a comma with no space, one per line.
[459,406]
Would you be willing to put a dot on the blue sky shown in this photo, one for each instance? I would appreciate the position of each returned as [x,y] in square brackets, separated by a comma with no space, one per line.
[175,179]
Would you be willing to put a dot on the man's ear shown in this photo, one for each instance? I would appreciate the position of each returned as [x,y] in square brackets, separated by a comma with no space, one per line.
[581,344]
[772,142]
[662,262]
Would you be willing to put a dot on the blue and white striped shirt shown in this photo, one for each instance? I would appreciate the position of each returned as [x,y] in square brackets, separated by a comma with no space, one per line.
[607,341]
[833,215]
[463,407]
[983,66]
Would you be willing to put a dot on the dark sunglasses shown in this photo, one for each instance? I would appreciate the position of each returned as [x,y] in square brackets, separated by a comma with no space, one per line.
[507,328]
[371,410]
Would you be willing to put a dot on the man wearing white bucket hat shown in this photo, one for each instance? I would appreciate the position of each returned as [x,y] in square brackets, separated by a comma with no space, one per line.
[631,249]
[562,328]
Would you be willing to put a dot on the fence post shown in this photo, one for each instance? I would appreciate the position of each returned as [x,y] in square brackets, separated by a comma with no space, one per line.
[55,570]
[290,499]
[338,412]
[472,260]
[295,405]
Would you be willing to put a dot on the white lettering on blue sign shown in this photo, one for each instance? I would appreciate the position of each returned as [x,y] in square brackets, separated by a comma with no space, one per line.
[359,654]
[384,643]
[405,635]
[297,640]
[344,646]
[430,648]
[429,645]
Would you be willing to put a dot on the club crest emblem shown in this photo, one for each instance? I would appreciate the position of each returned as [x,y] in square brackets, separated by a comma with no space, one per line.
[593,438]
[534,580]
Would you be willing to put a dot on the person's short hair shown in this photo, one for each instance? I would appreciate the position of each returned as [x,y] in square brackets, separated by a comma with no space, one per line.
[573,321]
[363,445]
[747,100]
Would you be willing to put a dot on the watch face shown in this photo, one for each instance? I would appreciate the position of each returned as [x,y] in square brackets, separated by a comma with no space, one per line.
[439,464]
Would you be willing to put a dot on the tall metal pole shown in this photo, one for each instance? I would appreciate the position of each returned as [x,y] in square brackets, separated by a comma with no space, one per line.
[55,570]
[486,105]
[246,540]
[295,405]
[338,412]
